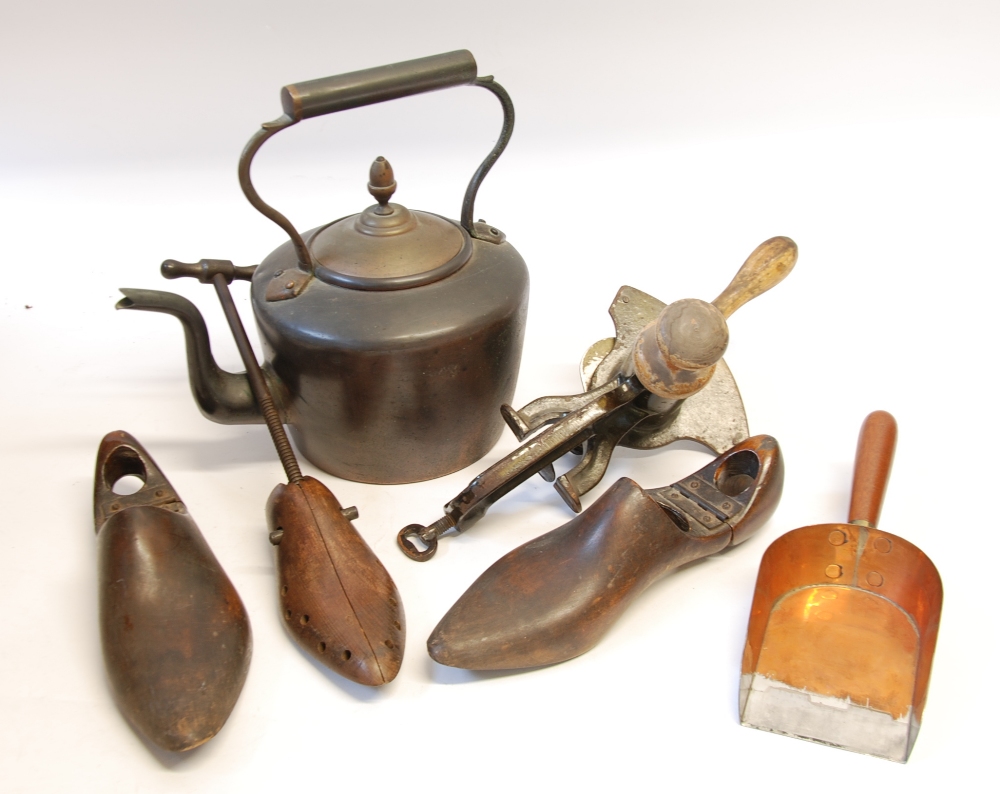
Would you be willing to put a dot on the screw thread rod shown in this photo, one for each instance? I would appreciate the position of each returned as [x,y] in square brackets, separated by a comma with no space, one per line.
[258,385]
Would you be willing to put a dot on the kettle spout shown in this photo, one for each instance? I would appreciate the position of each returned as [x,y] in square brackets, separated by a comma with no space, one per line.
[223,397]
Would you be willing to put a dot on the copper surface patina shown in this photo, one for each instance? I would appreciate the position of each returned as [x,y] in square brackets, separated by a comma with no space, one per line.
[843,624]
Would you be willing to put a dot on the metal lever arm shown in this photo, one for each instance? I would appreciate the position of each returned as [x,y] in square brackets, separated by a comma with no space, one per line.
[502,477]
[261,393]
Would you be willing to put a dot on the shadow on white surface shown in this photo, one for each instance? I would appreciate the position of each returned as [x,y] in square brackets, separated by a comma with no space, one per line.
[442,674]
[240,449]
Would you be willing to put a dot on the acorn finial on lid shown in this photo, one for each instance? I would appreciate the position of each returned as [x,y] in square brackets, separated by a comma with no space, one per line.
[382,184]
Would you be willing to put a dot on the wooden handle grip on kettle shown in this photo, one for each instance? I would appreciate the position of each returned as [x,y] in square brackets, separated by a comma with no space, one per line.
[767,266]
[380,84]
[872,464]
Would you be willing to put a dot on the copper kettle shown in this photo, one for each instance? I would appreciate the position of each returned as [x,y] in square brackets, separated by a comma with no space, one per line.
[392,336]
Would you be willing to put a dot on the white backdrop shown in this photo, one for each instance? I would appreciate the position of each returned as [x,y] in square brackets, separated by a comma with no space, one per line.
[657,143]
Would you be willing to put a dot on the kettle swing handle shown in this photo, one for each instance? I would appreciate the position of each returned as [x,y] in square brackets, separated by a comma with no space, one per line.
[368,87]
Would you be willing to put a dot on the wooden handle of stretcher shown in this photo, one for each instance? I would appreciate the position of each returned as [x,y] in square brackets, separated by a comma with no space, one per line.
[767,266]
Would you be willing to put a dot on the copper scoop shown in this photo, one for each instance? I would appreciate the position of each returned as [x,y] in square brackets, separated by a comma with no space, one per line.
[844,623]
[338,601]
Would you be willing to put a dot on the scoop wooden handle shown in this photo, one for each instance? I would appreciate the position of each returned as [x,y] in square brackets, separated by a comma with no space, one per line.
[872,464]
[769,263]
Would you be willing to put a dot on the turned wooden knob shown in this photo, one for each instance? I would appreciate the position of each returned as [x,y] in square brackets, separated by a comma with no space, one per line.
[675,355]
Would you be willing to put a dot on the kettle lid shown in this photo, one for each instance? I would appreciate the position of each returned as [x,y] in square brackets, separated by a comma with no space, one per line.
[388,247]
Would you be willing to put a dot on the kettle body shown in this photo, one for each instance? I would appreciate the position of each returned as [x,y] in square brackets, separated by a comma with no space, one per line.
[394,386]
